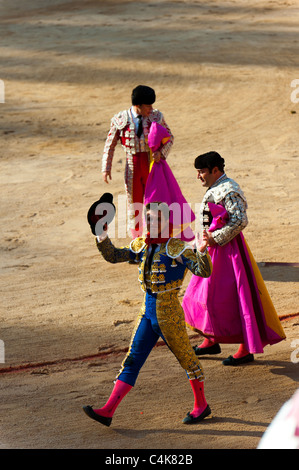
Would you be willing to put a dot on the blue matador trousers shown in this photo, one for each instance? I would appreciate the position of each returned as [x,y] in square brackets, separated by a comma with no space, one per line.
[162,316]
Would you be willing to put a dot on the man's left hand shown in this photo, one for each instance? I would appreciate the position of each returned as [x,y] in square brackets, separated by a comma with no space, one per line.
[201,243]
[211,241]
[157,156]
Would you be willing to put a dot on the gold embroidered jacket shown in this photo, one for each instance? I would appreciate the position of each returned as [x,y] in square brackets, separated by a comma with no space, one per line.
[169,266]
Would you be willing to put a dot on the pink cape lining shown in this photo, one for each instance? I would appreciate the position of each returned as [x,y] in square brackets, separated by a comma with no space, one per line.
[220,216]
[162,186]
[227,306]
[157,136]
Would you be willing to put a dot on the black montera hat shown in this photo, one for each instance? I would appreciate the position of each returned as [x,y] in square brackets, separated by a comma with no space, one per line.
[143,94]
[108,213]
[209,160]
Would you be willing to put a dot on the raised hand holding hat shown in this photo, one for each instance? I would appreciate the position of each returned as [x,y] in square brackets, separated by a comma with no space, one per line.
[101,213]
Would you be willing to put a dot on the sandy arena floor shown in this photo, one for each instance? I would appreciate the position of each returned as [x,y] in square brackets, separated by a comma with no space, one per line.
[222,71]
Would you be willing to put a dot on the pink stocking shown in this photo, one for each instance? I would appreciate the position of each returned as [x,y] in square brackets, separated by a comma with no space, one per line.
[242,351]
[119,391]
[207,343]
[200,403]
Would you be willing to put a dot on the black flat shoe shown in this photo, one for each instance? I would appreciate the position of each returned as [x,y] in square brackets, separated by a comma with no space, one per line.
[215,349]
[101,419]
[231,361]
[189,419]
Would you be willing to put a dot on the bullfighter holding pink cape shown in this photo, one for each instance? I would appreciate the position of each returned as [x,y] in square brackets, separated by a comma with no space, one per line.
[232,305]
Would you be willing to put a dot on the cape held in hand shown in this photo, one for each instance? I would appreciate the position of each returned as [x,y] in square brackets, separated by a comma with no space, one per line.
[162,186]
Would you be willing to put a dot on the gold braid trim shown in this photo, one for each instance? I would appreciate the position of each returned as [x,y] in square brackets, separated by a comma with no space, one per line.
[176,247]
[137,244]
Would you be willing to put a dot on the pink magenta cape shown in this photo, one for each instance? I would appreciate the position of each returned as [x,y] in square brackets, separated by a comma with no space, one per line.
[162,186]
[233,304]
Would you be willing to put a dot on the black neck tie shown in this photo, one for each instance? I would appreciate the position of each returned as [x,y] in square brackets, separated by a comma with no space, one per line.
[150,258]
[140,128]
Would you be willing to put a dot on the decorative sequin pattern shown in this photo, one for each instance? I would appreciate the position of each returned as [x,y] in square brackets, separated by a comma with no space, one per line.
[112,254]
[167,272]
[161,284]
[122,129]
[229,194]
[171,320]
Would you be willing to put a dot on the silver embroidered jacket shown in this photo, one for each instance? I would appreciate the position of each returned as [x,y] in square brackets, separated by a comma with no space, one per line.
[229,194]
[122,128]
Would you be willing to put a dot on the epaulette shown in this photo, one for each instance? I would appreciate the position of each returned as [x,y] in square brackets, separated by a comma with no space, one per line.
[175,247]
[120,119]
[228,186]
[156,116]
[137,245]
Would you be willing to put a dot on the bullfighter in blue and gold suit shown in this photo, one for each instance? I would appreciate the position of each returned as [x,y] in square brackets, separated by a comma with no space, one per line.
[163,264]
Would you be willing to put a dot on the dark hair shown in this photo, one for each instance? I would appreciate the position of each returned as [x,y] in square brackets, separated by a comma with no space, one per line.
[143,95]
[159,207]
[209,160]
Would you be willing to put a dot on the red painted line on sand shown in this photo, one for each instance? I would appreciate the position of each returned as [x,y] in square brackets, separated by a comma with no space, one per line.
[103,354]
